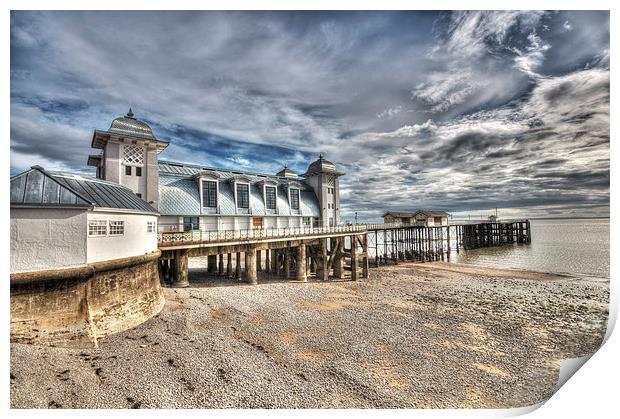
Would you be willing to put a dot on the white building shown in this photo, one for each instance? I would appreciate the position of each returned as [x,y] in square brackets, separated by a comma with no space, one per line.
[196,197]
[60,220]
[424,218]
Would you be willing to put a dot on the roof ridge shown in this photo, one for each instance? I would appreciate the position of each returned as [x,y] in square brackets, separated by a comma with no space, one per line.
[198,166]
[88,179]
[67,187]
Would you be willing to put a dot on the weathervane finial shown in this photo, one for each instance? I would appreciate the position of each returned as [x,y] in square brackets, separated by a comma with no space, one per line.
[320,156]
[130,114]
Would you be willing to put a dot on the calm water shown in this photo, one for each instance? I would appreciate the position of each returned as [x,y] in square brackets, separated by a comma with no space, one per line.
[560,246]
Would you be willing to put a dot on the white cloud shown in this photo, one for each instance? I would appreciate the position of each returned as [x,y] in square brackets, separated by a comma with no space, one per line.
[529,60]
[390,113]
[472,42]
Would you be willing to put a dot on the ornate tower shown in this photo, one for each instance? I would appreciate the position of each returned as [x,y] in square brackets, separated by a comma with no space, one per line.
[128,156]
[323,177]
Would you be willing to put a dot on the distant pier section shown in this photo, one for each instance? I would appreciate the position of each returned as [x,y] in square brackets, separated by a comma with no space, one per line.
[394,242]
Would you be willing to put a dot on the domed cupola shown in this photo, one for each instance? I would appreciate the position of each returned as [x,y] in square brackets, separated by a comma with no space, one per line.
[130,126]
[128,156]
[322,166]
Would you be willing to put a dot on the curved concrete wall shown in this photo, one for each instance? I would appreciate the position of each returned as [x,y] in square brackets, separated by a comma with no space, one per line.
[80,305]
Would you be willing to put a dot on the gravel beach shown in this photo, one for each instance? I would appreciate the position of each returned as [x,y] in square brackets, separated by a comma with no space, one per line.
[432,335]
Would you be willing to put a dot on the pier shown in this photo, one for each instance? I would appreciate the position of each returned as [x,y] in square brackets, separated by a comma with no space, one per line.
[339,252]
[287,253]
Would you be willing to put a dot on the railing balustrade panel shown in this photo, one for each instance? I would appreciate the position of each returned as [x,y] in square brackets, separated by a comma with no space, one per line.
[198,236]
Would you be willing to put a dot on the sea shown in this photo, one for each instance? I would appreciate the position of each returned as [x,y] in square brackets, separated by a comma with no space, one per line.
[572,246]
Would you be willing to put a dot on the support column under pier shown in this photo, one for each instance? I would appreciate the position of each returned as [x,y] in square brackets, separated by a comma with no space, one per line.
[354,258]
[338,249]
[301,263]
[180,277]
[229,271]
[238,266]
[212,263]
[259,255]
[322,270]
[313,264]
[365,257]
[287,263]
[250,265]
[274,262]
[220,266]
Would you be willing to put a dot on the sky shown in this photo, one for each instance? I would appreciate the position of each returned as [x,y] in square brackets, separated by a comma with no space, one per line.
[459,111]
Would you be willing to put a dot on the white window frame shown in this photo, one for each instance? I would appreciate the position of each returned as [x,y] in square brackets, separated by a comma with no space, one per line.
[97,223]
[249,196]
[151,227]
[274,186]
[116,224]
[202,191]
[290,201]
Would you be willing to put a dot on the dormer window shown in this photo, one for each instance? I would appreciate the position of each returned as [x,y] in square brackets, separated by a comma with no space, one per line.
[294,196]
[209,193]
[208,188]
[243,195]
[270,197]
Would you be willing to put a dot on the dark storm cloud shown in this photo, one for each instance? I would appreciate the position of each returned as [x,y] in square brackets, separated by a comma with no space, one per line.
[460,111]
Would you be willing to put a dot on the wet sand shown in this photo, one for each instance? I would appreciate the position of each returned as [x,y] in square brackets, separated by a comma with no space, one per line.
[411,336]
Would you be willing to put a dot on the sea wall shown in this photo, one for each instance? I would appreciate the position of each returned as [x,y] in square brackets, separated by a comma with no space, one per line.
[77,306]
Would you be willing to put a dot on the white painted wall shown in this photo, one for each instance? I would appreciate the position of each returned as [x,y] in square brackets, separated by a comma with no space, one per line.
[136,240]
[227,223]
[270,222]
[209,223]
[47,238]
[112,162]
[242,223]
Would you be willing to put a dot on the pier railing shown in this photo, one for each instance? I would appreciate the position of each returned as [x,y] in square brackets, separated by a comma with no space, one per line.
[199,236]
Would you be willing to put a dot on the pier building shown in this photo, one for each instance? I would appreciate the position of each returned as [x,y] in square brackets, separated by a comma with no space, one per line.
[193,197]
[424,218]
